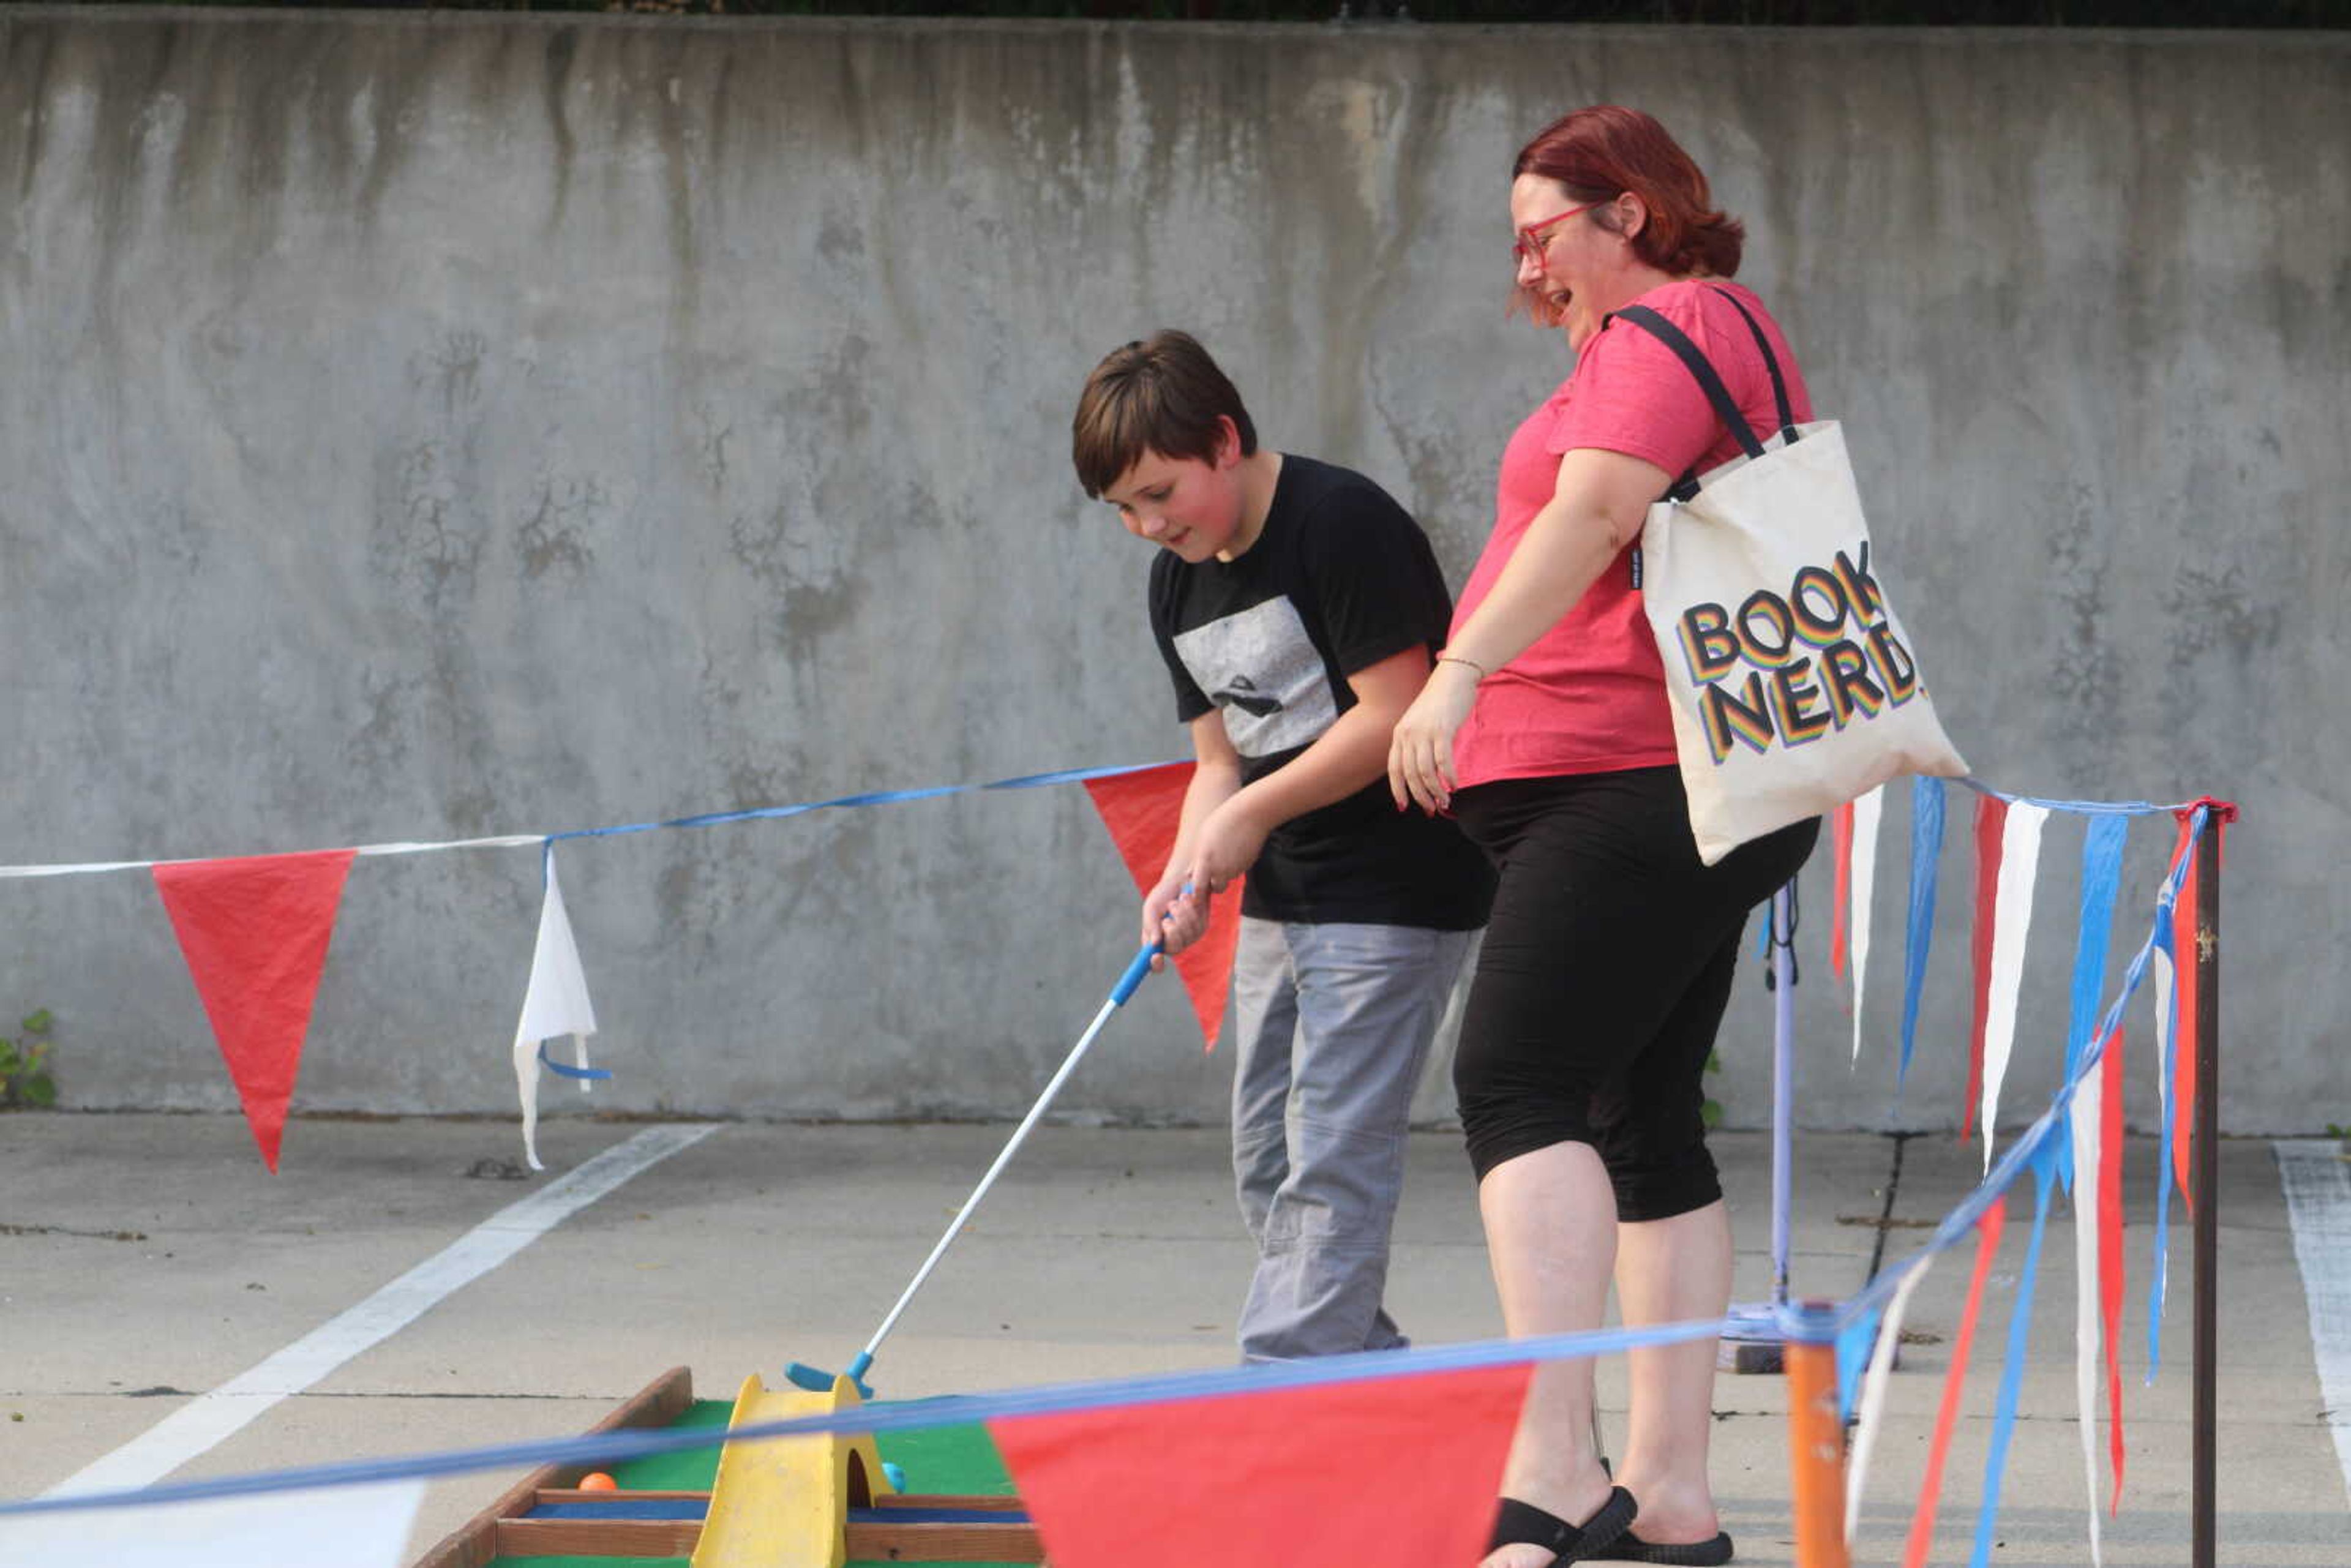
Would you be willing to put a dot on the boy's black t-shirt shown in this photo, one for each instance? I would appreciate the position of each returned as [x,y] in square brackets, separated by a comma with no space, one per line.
[1340,578]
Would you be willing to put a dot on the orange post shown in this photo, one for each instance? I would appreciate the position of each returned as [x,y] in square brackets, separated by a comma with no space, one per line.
[1815,1438]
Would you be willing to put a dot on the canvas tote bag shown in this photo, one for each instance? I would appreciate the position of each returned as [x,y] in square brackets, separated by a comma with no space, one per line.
[1794,688]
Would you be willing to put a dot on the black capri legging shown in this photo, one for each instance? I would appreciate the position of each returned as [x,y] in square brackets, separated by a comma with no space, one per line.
[1605,968]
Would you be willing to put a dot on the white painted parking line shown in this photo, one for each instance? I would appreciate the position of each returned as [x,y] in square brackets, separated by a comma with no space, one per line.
[2317,1182]
[349,1527]
[211,1417]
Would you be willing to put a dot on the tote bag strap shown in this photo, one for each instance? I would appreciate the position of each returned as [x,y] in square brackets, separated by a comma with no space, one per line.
[1702,369]
[1771,363]
[1726,407]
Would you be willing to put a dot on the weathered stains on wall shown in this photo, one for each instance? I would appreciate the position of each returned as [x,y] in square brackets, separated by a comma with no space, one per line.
[429,425]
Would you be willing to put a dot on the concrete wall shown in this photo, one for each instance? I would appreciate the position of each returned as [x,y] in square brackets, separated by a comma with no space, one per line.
[432,425]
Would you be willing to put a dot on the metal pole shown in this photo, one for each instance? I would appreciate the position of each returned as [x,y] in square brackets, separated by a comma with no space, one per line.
[1751,1339]
[2208,1185]
[1783,1083]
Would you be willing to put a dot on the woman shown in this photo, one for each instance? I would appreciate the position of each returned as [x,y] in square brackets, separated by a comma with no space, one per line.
[1608,960]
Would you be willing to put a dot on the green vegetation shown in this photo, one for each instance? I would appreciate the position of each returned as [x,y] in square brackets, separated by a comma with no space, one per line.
[25,1078]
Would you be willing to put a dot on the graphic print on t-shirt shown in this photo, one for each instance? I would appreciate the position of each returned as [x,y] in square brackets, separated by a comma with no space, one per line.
[1262,669]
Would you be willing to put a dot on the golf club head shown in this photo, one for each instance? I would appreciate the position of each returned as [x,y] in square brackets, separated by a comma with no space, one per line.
[809,1378]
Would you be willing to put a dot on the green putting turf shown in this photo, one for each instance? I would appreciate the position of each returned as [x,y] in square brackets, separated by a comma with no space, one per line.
[957,1461]
[688,1471]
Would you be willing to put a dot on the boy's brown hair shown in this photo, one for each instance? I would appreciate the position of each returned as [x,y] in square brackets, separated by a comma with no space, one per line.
[1162,393]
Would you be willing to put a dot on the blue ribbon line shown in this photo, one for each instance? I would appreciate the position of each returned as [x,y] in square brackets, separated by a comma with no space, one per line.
[868,798]
[1956,1225]
[1925,869]
[887,797]
[2011,1377]
[560,1071]
[2078,808]
[913,1415]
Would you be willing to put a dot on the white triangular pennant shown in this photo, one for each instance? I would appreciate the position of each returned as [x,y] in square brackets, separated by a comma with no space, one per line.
[2020,869]
[1873,1392]
[2089,1092]
[1867,811]
[555,1004]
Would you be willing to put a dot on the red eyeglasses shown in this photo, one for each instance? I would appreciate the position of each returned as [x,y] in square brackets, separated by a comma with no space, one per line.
[1529,245]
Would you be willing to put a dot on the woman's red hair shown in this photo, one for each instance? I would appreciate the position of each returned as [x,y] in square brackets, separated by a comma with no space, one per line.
[1598,154]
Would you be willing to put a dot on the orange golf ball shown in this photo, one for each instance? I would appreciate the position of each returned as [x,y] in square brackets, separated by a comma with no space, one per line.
[597,1481]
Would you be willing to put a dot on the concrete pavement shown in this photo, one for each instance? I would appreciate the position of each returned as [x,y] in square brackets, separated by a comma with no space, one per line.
[145,1259]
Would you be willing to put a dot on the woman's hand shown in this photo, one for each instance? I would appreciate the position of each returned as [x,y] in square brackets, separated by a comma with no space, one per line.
[1420,752]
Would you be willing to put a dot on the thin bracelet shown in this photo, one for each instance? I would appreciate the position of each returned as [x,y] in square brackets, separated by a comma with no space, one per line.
[1457,659]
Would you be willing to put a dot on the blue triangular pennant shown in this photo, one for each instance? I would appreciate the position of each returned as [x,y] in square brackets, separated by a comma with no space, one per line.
[2019,1335]
[1925,867]
[2101,876]
[1854,1341]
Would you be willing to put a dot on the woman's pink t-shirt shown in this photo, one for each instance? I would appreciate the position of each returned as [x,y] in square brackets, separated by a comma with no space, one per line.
[1589,696]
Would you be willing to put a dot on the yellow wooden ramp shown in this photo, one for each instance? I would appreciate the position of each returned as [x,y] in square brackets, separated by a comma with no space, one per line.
[785,1502]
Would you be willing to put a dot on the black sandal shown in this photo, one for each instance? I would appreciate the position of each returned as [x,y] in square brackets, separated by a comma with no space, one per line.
[1517,1523]
[1631,1548]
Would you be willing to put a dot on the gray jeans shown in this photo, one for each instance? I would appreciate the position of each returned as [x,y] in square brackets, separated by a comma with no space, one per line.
[1334,1022]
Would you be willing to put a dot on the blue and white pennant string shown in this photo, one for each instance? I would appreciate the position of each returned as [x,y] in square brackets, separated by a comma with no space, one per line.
[1868,1316]
[898,1415]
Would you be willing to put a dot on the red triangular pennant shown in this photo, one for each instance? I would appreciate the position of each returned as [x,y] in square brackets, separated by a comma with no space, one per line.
[1393,1472]
[1992,827]
[2184,955]
[1841,921]
[1939,1446]
[1142,810]
[2110,1246]
[255,933]
[2188,936]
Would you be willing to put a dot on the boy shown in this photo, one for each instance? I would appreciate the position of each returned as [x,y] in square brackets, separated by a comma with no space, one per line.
[1298,607]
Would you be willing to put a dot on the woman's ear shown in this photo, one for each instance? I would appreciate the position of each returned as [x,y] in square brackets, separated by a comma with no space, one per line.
[1632,215]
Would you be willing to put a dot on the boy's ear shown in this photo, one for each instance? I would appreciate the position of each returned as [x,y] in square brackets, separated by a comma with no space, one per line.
[1228,442]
